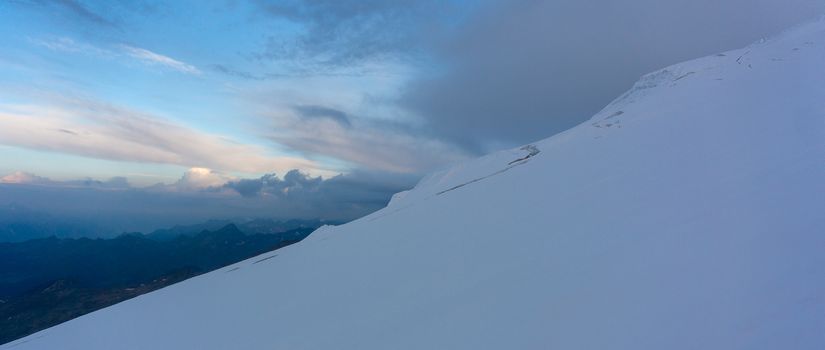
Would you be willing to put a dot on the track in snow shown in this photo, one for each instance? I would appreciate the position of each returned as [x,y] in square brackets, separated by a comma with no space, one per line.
[533,151]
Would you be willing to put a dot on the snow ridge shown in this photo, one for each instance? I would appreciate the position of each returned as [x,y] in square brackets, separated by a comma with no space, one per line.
[688,214]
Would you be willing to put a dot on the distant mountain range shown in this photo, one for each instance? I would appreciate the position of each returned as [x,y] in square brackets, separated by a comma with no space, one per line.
[47,281]
[247,226]
[20,223]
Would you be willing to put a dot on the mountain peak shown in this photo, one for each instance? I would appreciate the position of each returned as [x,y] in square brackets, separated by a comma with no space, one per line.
[231,227]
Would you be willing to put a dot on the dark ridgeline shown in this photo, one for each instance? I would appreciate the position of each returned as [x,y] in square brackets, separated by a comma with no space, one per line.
[45,282]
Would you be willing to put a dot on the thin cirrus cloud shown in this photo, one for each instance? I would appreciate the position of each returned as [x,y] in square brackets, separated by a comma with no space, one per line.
[347,32]
[65,44]
[135,54]
[155,59]
[98,130]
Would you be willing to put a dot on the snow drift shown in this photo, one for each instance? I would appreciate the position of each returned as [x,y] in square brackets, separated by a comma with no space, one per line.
[688,214]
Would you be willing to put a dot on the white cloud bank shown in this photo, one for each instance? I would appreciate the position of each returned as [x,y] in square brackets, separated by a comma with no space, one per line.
[199,178]
[21,177]
[199,195]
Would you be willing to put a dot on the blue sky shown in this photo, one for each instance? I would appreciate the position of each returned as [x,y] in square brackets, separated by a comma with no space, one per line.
[220,98]
[82,68]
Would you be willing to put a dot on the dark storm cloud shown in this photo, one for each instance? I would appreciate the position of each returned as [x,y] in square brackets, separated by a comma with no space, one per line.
[315,112]
[524,70]
[248,187]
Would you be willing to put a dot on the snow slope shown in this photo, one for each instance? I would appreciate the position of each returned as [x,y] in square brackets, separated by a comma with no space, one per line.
[688,214]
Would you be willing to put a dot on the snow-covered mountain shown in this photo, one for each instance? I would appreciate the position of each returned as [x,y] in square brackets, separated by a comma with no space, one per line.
[688,214]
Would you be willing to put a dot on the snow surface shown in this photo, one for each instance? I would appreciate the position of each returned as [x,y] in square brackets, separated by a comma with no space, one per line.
[688,214]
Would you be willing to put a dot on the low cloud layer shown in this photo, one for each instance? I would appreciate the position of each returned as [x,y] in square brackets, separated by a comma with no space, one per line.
[24,178]
[201,195]
[354,192]
[200,178]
